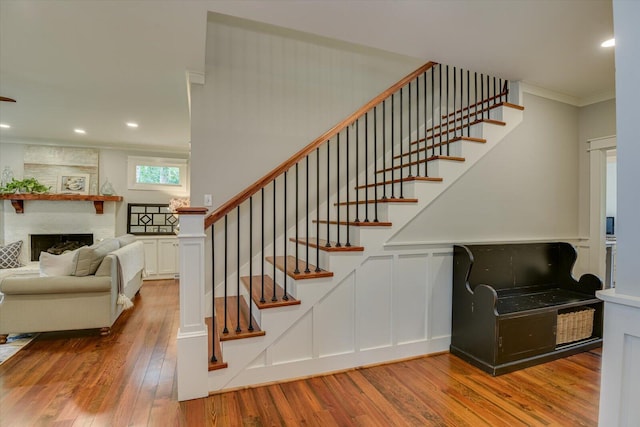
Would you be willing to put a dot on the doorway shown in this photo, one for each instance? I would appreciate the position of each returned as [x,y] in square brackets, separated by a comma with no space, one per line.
[598,154]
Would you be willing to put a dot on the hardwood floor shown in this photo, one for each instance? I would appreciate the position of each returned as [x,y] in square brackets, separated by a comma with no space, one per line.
[128,378]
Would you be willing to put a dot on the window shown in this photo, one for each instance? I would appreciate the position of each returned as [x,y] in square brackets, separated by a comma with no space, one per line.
[155,173]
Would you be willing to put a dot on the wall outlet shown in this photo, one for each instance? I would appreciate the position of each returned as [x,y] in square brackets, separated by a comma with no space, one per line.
[208,200]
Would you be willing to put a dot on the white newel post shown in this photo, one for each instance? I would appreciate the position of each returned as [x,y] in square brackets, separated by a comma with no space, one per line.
[192,367]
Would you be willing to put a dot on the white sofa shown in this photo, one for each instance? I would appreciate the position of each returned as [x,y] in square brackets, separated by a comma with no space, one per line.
[31,303]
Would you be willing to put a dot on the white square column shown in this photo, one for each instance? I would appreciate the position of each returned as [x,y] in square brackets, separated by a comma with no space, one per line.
[193,363]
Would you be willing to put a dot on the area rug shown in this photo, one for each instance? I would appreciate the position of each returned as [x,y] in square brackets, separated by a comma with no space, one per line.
[15,342]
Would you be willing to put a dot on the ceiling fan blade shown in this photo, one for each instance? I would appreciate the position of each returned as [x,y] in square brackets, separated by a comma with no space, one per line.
[4,98]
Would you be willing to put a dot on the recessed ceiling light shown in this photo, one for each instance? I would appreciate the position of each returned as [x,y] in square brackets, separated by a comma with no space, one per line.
[80,131]
[4,126]
[609,43]
[132,124]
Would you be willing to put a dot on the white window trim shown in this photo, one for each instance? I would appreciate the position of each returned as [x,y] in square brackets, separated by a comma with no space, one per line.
[182,164]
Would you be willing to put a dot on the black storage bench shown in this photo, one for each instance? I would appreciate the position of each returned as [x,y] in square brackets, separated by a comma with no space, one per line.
[517,305]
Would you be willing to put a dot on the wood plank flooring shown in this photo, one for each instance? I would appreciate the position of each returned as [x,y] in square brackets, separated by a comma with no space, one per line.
[128,378]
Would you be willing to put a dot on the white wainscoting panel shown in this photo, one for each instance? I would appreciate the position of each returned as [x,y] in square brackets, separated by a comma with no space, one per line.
[334,320]
[410,298]
[296,344]
[441,287]
[374,284]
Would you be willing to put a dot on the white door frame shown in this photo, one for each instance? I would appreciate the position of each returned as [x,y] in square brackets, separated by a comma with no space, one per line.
[598,148]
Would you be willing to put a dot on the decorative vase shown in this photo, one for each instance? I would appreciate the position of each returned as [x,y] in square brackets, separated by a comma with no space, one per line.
[107,188]
[7,176]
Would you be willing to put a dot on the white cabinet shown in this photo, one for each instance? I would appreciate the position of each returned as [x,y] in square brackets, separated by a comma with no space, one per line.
[168,256]
[160,256]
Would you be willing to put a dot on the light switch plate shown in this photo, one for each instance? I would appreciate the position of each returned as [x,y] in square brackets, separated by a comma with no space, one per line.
[208,200]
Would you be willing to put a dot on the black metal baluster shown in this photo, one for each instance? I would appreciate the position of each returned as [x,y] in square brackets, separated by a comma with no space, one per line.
[250,263]
[375,163]
[402,143]
[366,166]
[384,150]
[338,244]
[461,102]
[488,96]
[455,115]
[262,246]
[226,251]
[358,169]
[440,112]
[482,96]
[425,111]
[348,243]
[393,143]
[284,240]
[297,235]
[418,127]
[495,94]
[475,96]
[447,138]
[328,244]
[409,130]
[274,298]
[318,210]
[433,113]
[468,106]
[238,329]
[214,359]
[306,270]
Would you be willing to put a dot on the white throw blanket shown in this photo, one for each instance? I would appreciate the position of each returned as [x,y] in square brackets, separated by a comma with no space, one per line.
[130,260]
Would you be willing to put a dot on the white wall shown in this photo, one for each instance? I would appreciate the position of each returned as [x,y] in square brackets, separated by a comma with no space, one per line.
[269,92]
[113,165]
[526,188]
[594,121]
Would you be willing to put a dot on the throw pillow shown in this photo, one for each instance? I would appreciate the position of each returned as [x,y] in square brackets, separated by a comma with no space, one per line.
[9,255]
[90,257]
[57,265]
[126,239]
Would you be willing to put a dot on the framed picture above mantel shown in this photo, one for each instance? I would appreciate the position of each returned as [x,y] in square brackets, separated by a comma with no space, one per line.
[151,219]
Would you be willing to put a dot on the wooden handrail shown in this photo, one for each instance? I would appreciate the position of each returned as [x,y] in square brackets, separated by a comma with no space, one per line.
[289,163]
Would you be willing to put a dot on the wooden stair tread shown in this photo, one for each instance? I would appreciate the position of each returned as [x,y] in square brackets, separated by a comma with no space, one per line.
[356,223]
[256,294]
[387,200]
[496,105]
[313,242]
[418,162]
[490,121]
[232,319]
[406,179]
[443,143]
[213,337]
[290,270]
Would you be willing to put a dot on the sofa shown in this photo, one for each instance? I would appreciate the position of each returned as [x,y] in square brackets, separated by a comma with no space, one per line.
[88,289]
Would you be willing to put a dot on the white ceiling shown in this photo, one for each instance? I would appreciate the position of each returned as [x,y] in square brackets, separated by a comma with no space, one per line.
[96,64]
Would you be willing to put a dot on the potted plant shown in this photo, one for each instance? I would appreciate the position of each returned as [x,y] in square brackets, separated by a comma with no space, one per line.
[27,185]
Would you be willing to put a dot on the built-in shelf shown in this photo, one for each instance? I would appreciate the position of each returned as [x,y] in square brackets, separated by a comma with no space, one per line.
[17,200]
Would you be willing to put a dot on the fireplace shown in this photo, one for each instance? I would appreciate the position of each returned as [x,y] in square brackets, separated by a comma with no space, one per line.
[57,243]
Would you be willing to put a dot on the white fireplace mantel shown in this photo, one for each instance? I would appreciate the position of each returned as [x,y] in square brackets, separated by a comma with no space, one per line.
[56,217]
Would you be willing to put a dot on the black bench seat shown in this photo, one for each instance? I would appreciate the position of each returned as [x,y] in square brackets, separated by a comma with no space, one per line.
[507,299]
[532,298]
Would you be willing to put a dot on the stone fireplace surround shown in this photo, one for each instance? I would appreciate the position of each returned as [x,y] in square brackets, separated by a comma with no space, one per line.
[56,217]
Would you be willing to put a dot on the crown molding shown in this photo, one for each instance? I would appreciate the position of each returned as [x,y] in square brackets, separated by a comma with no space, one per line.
[567,99]
[168,149]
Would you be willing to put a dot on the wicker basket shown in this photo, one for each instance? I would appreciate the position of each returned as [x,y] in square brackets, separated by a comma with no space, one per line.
[575,325]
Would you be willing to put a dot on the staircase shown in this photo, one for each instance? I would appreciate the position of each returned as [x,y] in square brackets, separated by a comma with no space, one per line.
[290,247]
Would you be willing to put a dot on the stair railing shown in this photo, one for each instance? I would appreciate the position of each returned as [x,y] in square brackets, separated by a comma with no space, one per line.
[417,117]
